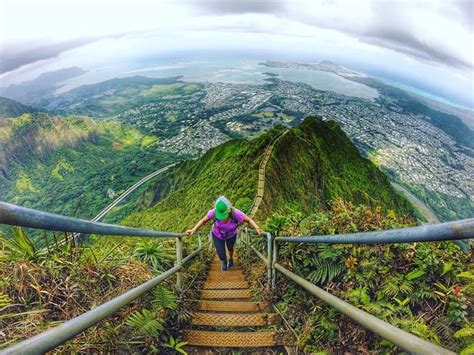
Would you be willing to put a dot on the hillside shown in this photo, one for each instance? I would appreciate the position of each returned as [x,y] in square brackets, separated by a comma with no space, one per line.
[311,166]
[111,97]
[12,108]
[71,165]
[32,91]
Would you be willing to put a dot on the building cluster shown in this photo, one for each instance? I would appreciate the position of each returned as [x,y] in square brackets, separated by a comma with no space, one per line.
[406,143]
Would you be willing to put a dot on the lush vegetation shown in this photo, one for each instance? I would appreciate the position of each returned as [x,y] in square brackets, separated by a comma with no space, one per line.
[39,288]
[314,164]
[11,108]
[187,192]
[72,165]
[310,166]
[423,288]
[446,207]
[316,183]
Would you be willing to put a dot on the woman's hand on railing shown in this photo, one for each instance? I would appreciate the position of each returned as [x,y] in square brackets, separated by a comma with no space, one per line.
[259,231]
[190,232]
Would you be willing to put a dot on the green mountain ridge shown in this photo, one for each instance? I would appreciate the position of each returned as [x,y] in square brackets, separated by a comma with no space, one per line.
[12,108]
[69,165]
[316,183]
[310,167]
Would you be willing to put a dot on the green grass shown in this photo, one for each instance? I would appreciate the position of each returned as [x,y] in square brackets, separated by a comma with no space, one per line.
[264,114]
[168,89]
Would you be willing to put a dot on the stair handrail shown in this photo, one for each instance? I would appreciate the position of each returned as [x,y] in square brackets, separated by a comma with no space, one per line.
[455,230]
[26,217]
[449,231]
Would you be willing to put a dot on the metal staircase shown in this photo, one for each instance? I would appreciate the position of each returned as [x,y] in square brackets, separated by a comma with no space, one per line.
[226,302]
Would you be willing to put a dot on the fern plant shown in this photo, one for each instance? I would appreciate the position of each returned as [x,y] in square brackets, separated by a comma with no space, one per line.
[466,335]
[443,327]
[326,265]
[358,296]
[325,270]
[175,345]
[381,309]
[395,285]
[145,322]
[164,298]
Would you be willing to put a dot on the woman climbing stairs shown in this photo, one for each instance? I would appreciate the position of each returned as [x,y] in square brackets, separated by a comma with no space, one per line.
[226,300]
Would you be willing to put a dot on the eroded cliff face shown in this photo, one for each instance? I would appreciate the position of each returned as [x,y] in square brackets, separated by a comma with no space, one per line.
[37,136]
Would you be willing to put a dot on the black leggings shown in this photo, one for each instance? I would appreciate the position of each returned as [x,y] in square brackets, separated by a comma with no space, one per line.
[221,244]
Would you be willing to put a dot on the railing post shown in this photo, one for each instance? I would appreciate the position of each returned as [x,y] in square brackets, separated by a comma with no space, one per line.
[179,262]
[269,259]
[200,247]
[274,261]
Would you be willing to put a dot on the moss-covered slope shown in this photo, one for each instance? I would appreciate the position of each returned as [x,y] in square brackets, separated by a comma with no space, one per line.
[315,164]
[311,166]
[67,164]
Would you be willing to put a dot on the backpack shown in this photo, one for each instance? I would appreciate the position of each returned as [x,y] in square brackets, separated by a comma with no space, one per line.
[233,219]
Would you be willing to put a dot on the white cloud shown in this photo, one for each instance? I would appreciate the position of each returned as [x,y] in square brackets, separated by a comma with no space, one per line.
[405,38]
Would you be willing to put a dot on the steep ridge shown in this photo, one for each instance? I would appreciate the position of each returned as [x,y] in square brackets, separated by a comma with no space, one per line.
[261,176]
[310,166]
[316,163]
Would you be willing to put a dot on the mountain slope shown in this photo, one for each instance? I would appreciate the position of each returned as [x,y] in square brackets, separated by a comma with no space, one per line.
[68,164]
[315,164]
[33,91]
[12,108]
[311,166]
[111,97]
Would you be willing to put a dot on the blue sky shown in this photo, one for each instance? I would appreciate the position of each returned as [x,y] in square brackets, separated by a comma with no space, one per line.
[427,44]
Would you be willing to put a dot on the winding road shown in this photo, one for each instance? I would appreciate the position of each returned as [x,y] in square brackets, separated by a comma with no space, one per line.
[430,216]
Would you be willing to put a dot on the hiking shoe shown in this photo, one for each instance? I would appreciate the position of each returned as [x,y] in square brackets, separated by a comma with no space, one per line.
[230,263]
[224,266]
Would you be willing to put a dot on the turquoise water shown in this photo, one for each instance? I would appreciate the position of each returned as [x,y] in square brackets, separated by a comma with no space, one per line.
[238,72]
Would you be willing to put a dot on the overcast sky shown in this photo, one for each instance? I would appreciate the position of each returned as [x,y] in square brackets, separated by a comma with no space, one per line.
[428,44]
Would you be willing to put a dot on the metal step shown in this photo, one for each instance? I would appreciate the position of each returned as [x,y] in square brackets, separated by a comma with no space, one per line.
[230,306]
[223,294]
[227,276]
[217,268]
[229,273]
[232,319]
[209,285]
[230,339]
